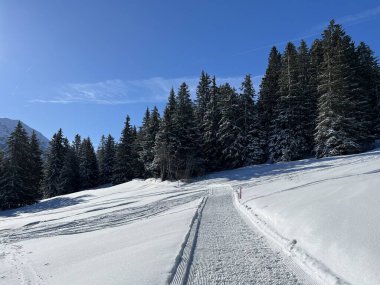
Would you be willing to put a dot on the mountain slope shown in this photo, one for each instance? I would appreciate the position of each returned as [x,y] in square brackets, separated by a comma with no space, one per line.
[7,126]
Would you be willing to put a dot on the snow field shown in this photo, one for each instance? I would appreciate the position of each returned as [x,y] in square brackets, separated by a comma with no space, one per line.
[127,234]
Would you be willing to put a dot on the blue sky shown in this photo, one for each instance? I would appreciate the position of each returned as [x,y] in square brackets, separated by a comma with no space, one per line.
[84,65]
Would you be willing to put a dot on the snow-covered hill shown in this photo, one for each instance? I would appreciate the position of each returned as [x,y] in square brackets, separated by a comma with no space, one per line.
[323,214]
[7,126]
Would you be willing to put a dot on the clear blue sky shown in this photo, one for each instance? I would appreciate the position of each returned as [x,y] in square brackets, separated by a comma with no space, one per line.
[83,65]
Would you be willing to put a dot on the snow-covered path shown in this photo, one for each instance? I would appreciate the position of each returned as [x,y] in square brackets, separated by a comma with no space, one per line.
[229,251]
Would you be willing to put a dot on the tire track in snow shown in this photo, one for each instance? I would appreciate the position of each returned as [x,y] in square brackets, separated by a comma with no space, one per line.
[229,251]
[98,221]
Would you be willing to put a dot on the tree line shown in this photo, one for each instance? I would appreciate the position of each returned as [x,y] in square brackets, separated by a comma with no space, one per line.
[319,101]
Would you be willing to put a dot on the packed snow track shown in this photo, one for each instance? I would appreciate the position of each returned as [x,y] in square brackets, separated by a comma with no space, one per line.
[228,250]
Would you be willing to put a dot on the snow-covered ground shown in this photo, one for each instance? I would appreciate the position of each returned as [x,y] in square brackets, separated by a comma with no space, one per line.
[323,214]
[127,234]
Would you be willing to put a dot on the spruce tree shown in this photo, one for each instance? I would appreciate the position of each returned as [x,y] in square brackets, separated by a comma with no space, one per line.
[54,163]
[338,131]
[164,147]
[288,140]
[268,96]
[36,166]
[188,161]
[367,100]
[88,165]
[106,158]
[211,148]
[76,144]
[308,98]
[69,178]
[123,170]
[203,95]
[15,185]
[147,136]
[229,133]
[251,135]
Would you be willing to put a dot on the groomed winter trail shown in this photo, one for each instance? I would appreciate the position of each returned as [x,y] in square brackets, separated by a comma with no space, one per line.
[227,250]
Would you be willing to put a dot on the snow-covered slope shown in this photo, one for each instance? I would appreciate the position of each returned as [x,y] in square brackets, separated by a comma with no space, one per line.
[328,208]
[7,126]
[323,213]
[127,234]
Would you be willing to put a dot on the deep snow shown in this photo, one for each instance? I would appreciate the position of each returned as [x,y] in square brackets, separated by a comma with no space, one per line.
[323,214]
[127,234]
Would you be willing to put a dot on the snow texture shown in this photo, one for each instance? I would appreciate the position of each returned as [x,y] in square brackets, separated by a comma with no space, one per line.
[127,234]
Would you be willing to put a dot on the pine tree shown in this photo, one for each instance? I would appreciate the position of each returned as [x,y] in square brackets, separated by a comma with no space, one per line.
[76,144]
[15,188]
[316,60]
[164,147]
[251,135]
[211,148]
[367,100]
[106,158]
[54,164]
[147,136]
[229,133]
[137,164]
[288,137]
[268,96]
[187,156]
[88,165]
[36,166]
[308,98]
[338,131]
[123,170]
[154,128]
[203,95]
[69,178]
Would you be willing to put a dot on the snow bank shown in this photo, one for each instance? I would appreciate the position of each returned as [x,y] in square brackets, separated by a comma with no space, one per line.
[326,211]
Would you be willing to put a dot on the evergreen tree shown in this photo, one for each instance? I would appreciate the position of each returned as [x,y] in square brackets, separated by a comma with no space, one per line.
[165,141]
[268,96]
[229,133]
[88,165]
[203,95]
[69,178]
[106,158]
[316,60]
[147,137]
[54,163]
[308,96]
[367,100]
[211,148]
[137,164]
[36,166]
[288,137]
[251,137]
[338,131]
[77,144]
[187,155]
[15,185]
[123,170]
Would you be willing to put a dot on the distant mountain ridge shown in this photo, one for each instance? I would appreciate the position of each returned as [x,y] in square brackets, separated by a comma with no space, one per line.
[8,125]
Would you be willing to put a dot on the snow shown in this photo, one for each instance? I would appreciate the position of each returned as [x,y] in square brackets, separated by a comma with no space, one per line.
[229,251]
[7,126]
[325,212]
[127,234]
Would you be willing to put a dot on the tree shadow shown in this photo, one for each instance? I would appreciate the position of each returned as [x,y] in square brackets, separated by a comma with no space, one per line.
[45,205]
[283,168]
